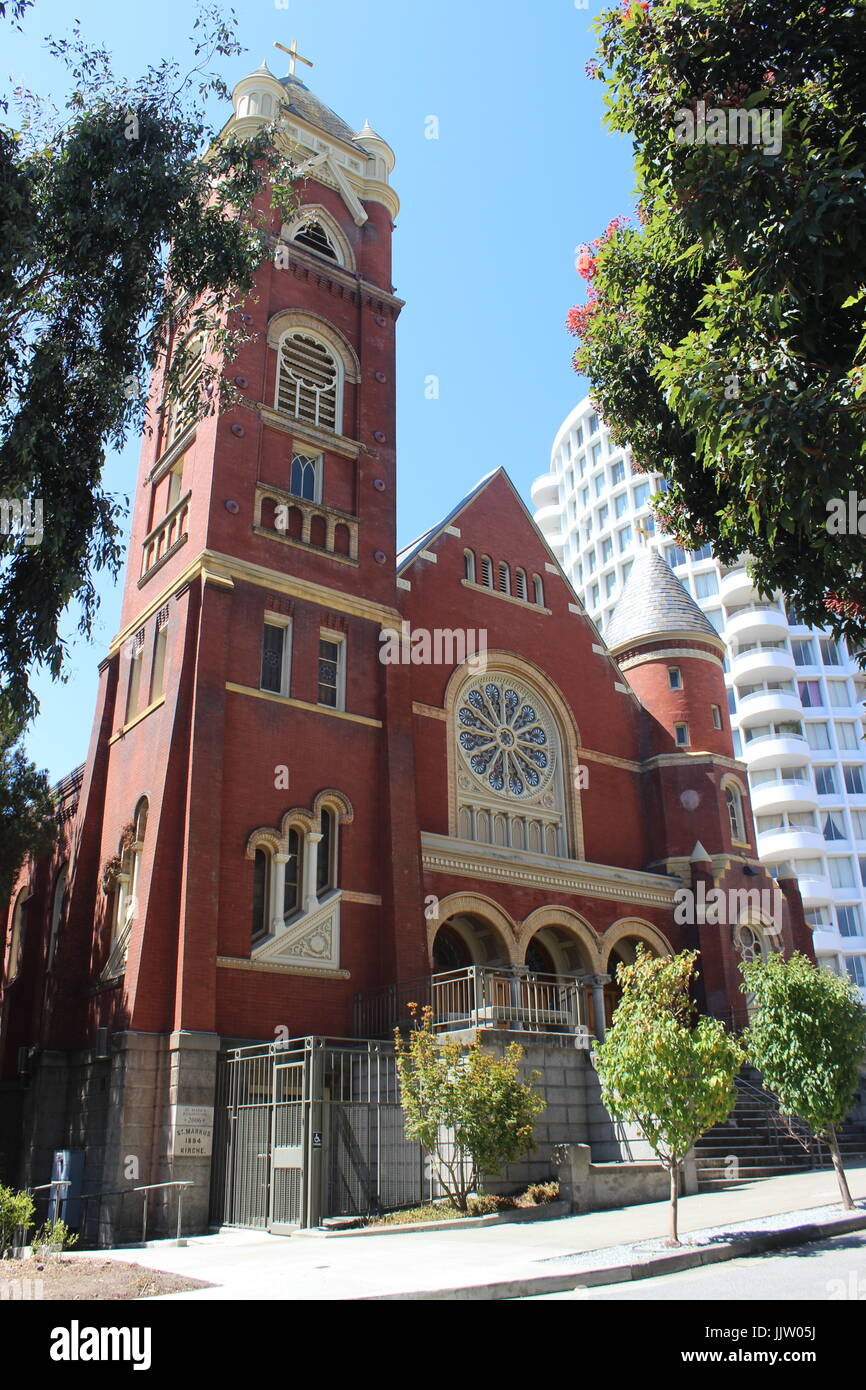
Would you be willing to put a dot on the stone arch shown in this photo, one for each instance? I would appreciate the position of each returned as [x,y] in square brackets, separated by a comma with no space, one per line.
[569,738]
[568,937]
[633,927]
[495,937]
[315,212]
[334,801]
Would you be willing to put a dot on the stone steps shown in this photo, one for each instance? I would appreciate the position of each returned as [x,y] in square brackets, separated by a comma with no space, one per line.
[760,1144]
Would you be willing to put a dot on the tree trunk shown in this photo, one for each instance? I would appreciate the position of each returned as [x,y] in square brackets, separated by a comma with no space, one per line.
[847,1201]
[673,1236]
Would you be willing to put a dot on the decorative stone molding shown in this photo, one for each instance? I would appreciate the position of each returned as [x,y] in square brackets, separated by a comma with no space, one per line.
[312,939]
[442,854]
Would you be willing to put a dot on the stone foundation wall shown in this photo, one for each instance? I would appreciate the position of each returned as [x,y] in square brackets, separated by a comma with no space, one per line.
[119,1110]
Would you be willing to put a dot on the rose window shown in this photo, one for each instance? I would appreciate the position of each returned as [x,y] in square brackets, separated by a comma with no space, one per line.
[506,738]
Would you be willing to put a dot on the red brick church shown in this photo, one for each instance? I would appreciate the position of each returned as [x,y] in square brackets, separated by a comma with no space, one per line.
[321,770]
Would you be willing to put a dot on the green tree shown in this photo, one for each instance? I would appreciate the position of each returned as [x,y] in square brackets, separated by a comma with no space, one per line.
[723,333]
[807,1038]
[470,1110]
[28,822]
[126,224]
[661,1068]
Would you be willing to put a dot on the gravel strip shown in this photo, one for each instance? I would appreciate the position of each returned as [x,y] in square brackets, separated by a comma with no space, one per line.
[645,1250]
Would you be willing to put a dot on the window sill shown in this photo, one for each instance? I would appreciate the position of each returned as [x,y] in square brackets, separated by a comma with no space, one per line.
[508,598]
[169,457]
[137,720]
[302,704]
[306,546]
[308,433]
[166,555]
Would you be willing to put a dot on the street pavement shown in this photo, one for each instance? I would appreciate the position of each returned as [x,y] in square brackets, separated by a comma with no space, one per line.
[824,1271]
[307,1266]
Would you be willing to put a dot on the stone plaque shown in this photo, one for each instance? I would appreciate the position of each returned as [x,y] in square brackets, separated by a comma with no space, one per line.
[191,1131]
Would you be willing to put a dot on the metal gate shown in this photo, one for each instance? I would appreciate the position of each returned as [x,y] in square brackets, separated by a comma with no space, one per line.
[310,1129]
[287,1148]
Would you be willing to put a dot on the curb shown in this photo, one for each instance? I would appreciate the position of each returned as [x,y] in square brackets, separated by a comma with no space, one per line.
[521,1286]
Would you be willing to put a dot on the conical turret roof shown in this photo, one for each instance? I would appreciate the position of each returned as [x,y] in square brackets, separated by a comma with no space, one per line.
[653,602]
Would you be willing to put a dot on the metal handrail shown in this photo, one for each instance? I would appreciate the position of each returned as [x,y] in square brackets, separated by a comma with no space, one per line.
[145,1188]
[479,995]
[791,1125]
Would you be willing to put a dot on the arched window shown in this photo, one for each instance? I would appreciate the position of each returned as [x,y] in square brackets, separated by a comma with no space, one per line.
[487,571]
[261,893]
[186,399]
[17,941]
[504,578]
[538,590]
[326,854]
[292,890]
[306,472]
[313,236]
[520,584]
[127,886]
[309,380]
[469,565]
[57,906]
[734,802]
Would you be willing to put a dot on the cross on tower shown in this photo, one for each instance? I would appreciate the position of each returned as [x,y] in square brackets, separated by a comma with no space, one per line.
[294,55]
[643,530]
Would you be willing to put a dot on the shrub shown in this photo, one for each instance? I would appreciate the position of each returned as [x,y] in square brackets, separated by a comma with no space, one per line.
[538,1193]
[16,1213]
[487,1203]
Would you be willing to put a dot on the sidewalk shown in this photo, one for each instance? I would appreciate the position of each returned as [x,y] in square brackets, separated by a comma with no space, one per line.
[505,1260]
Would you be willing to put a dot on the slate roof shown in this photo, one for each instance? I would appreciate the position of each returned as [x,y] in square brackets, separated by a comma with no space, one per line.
[307,105]
[653,602]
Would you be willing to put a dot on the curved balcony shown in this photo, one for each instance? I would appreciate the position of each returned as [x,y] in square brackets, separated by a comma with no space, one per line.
[784,796]
[736,587]
[545,490]
[761,664]
[776,750]
[758,621]
[548,519]
[767,704]
[815,892]
[776,845]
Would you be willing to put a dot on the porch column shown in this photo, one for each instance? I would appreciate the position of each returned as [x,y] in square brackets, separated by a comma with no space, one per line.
[311,863]
[598,982]
[278,891]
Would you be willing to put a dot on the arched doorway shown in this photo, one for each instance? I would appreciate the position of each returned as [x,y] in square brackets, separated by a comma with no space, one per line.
[559,953]
[450,951]
[468,938]
[620,948]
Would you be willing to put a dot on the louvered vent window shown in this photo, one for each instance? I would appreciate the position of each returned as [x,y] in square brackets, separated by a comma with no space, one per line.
[308,381]
[316,238]
[520,583]
[186,405]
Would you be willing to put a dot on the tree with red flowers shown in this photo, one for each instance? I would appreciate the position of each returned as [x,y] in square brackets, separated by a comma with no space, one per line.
[723,331]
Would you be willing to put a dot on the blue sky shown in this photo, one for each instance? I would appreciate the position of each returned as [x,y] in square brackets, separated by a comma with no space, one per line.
[484,250]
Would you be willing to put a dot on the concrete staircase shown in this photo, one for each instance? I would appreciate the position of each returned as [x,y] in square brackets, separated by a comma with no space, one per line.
[757,1142]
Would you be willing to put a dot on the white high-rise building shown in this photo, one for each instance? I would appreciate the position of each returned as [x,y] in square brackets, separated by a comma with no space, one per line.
[794,693]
